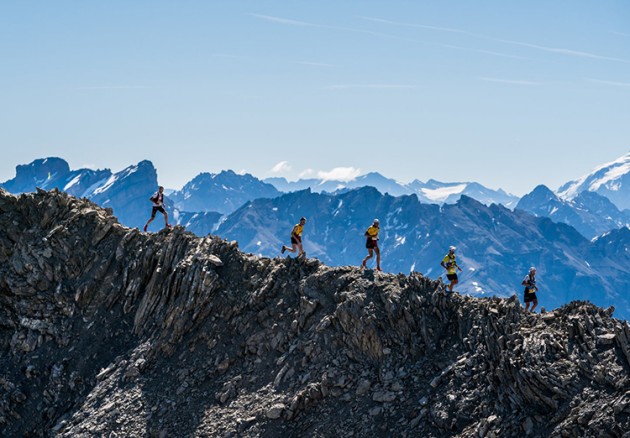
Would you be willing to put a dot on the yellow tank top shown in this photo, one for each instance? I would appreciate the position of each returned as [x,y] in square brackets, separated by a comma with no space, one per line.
[372,232]
[451,265]
[297,230]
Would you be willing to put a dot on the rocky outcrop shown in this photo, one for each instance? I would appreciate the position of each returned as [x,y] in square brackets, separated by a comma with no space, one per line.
[106,330]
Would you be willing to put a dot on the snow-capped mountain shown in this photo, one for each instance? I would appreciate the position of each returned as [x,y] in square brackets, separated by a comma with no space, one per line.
[221,192]
[449,193]
[611,180]
[53,172]
[589,213]
[127,192]
[496,246]
[432,192]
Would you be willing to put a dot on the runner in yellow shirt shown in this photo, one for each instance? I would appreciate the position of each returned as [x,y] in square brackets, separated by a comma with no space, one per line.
[296,239]
[372,245]
[450,264]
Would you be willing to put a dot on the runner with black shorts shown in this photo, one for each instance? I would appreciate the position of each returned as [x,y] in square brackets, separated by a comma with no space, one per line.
[158,205]
[371,244]
[529,295]
[450,264]
[296,239]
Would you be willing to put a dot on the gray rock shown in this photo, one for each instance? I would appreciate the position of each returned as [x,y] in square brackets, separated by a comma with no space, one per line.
[384,397]
[275,411]
[363,387]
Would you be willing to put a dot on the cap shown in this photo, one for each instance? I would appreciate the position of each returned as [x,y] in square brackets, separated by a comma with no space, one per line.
[452,249]
[376,221]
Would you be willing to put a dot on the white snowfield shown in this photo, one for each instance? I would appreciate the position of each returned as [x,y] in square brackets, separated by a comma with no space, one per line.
[607,175]
[441,194]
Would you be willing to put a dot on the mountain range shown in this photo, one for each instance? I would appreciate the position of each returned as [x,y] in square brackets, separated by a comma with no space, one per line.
[588,212]
[431,192]
[222,192]
[495,246]
[579,242]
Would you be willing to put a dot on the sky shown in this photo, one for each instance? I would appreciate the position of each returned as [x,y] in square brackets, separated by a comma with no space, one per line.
[507,94]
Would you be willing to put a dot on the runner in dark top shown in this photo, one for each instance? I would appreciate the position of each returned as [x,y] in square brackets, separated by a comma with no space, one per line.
[530,289]
[158,205]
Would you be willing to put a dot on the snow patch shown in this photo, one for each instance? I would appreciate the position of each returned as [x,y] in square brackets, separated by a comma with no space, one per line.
[441,194]
[73,182]
[613,173]
[110,182]
[336,212]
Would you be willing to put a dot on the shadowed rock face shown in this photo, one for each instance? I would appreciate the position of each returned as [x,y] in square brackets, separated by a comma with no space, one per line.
[105,329]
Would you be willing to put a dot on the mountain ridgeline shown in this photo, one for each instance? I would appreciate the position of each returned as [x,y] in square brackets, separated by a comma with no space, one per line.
[589,213]
[106,330]
[496,245]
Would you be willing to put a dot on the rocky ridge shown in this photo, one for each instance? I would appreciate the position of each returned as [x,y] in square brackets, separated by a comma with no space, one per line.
[107,331]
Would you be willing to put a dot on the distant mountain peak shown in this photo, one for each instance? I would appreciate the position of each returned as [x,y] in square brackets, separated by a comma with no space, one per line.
[611,180]
[541,191]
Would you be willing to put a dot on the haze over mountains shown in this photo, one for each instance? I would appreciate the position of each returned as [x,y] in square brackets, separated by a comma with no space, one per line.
[577,238]
[432,191]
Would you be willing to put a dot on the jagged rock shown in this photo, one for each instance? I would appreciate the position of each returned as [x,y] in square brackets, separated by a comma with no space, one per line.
[384,397]
[216,261]
[363,387]
[275,411]
[105,330]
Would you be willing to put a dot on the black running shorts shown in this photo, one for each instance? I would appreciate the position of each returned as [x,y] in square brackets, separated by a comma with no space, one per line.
[528,297]
[156,209]
[371,243]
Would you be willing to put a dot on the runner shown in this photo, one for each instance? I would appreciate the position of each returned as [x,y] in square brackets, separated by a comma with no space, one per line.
[158,205]
[530,289]
[450,264]
[296,239]
[372,245]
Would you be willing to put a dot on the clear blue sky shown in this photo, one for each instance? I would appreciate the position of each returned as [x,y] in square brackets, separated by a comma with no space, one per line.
[509,94]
